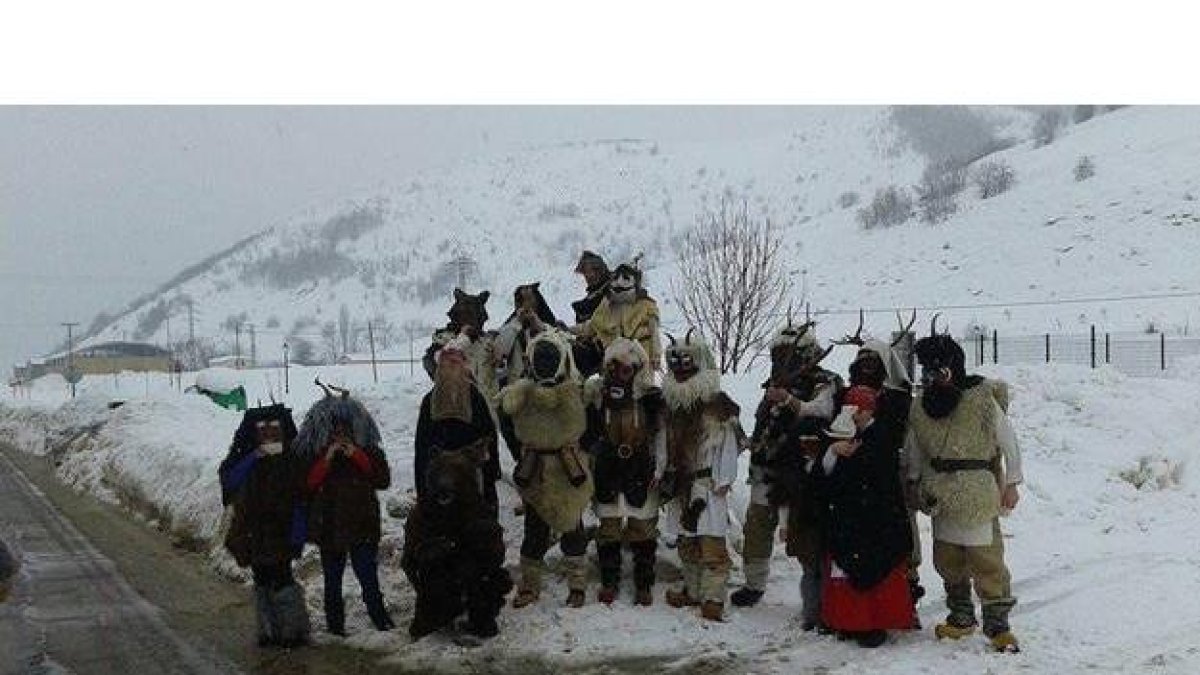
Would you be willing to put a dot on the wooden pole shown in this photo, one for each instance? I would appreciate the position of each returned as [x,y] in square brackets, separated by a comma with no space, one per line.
[371,339]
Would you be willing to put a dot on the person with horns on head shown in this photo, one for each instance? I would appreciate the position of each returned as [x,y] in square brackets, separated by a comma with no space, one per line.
[628,311]
[799,400]
[553,475]
[341,444]
[628,447]
[262,480]
[455,416]
[704,438]
[963,456]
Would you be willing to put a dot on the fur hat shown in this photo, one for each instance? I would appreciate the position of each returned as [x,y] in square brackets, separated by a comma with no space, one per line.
[589,259]
[629,352]
[843,427]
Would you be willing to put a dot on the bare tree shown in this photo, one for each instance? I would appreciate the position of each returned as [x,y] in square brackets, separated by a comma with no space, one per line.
[732,282]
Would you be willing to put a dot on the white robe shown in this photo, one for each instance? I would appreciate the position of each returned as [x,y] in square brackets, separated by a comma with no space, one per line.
[719,451]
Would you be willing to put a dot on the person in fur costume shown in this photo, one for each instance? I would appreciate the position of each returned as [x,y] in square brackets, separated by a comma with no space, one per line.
[799,400]
[629,451]
[588,352]
[455,416]
[963,455]
[468,316]
[876,365]
[704,438]
[340,443]
[867,536]
[627,311]
[262,480]
[454,548]
[552,474]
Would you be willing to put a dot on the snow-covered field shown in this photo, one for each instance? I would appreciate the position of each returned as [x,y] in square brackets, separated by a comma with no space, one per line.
[1103,547]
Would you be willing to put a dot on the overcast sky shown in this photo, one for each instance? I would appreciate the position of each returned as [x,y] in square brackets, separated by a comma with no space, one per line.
[100,204]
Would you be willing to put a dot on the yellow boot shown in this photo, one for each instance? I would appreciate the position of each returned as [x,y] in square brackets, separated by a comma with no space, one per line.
[1005,643]
[949,631]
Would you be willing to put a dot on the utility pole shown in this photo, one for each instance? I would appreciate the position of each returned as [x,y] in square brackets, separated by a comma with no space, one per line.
[70,354]
[237,345]
[253,346]
[191,322]
[371,339]
[285,368]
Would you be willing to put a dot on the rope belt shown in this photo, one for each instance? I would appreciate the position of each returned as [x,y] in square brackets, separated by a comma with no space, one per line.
[951,465]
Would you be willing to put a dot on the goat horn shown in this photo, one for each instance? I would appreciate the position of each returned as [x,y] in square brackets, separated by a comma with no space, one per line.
[687,339]
[323,387]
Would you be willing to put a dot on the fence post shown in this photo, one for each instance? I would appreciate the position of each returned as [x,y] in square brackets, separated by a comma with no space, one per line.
[1047,348]
[1106,348]
[995,346]
[1093,345]
[979,350]
[1162,351]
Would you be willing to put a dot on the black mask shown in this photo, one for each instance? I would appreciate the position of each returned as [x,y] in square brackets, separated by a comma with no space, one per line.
[939,400]
[546,360]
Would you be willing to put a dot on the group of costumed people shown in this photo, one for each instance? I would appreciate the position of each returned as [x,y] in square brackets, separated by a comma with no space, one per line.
[610,413]
[284,487]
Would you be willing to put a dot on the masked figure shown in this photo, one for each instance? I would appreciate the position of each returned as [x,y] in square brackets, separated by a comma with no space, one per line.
[704,438]
[629,451]
[799,400]
[963,456]
[455,416]
[262,479]
[593,269]
[454,548]
[552,474]
[468,316]
[626,311]
[340,442]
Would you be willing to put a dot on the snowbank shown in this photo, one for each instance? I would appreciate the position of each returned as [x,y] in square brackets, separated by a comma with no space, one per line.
[1103,547]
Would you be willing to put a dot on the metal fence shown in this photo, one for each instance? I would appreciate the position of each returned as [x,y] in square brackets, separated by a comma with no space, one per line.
[1136,354]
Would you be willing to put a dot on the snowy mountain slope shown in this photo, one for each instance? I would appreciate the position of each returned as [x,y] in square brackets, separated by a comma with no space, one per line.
[1133,228]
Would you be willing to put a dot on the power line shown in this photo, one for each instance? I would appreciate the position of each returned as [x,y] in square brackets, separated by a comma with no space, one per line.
[1018,303]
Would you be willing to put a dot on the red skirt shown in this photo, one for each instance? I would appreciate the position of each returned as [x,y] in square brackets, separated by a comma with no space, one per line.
[885,606]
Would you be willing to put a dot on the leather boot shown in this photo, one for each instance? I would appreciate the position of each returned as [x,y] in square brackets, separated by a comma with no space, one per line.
[531,583]
[713,610]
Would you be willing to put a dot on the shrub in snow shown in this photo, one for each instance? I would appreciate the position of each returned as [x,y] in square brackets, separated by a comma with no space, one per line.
[1085,168]
[940,184]
[890,206]
[993,178]
[1153,472]
[847,199]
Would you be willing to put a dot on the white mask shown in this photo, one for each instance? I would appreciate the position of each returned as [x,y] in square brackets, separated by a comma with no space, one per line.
[272,448]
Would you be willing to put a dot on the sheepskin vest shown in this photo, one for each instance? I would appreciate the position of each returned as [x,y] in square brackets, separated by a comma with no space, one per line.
[969,496]
[547,419]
